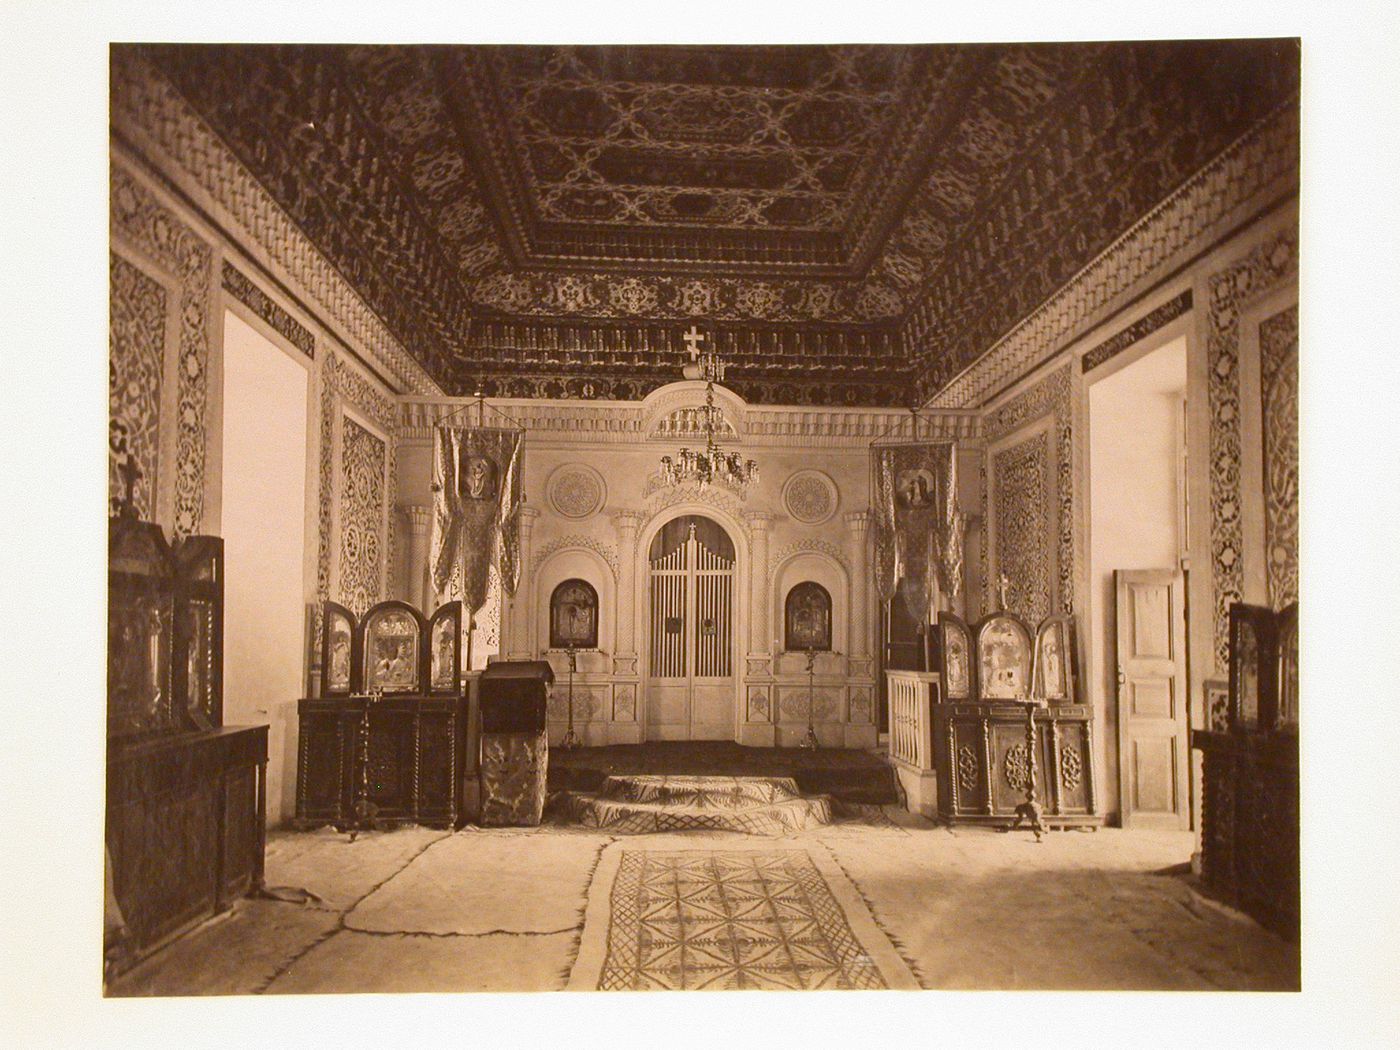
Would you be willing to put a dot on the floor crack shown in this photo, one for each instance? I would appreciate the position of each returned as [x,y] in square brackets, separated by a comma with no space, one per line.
[340,926]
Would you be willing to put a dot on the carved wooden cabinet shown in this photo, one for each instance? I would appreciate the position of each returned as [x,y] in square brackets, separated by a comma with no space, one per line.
[1249,811]
[185,817]
[185,799]
[980,754]
[406,763]
[988,670]
[385,742]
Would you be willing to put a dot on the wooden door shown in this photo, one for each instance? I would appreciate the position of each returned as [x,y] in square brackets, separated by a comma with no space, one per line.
[1152,725]
[690,685]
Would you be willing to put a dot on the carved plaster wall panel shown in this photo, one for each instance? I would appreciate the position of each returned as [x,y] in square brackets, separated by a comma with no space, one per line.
[758,704]
[808,545]
[576,490]
[140,221]
[591,702]
[136,373]
[625,702]
[810,496]
[825,703]
[861,709]
[1050,396]
[362,504]
[1278,350]
[1262,270]
[1021,518]
[341,384]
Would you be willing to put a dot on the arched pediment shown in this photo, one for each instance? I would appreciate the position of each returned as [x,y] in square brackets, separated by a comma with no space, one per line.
[672,412]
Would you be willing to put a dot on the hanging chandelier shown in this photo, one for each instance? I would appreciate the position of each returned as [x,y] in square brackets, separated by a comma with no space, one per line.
[712,463]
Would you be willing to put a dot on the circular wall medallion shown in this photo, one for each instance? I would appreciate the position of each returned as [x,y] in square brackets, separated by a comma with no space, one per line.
[810,497]
[576,491]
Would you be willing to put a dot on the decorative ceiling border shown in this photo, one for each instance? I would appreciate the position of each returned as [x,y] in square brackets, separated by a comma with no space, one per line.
[152,113]
[1259,170]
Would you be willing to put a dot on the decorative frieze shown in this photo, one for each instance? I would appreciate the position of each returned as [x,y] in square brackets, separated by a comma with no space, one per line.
[1136,332]
[578,541]
[262,305]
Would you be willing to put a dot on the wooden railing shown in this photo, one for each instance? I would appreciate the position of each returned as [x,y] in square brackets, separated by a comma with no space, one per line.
[911,696]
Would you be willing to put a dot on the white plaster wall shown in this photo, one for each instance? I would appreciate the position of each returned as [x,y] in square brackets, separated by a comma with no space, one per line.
[1135,419]
[265,403]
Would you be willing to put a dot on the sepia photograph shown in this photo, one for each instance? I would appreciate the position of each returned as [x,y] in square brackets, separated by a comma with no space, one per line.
[738,515]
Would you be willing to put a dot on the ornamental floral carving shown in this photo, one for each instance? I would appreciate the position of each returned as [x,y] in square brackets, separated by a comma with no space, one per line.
[967,768]
[578,542]
[810,496]
[1231,291]
[1016,767]
[1071,767]
[576,491]
[139,219]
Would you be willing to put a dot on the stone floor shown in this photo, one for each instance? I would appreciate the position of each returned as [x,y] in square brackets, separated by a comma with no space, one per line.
[417,910]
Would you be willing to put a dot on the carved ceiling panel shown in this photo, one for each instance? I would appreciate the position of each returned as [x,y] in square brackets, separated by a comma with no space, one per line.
[855,223]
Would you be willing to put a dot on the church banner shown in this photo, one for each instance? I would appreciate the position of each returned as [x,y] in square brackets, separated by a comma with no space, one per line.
[476,511]
[918,525]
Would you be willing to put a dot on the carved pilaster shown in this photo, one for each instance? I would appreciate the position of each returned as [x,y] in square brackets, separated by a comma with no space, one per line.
[626,523]
[758,523]
[857,527]
[519,610]
[419,519]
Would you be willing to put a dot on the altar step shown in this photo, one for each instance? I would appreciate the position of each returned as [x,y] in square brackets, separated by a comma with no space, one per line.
[650,803]
[847,775]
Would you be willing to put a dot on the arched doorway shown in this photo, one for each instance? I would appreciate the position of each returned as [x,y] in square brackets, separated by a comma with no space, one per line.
[690,677]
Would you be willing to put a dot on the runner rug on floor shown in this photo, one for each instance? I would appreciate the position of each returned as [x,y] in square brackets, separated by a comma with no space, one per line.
[729,919]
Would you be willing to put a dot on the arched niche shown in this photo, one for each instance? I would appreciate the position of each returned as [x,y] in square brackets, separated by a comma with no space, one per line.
[577,563]
[820,568]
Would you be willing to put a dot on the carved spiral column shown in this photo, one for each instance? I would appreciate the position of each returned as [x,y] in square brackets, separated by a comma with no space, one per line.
[519,609]
[626,523]
[419,520]
[758,522]
[858,524]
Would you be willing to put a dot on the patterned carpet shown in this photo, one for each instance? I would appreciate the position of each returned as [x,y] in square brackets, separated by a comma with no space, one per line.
[730,919]
[638,805]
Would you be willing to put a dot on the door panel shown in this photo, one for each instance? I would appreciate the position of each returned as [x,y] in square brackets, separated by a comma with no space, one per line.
[1152,726]
[690,688]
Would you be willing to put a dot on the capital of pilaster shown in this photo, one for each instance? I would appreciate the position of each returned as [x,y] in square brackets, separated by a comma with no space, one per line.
[418,516]
[758,520]
[625,521]
[857,520]
[528,516]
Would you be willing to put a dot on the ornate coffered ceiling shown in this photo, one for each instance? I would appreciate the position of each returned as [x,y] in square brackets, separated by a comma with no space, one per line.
[853,223]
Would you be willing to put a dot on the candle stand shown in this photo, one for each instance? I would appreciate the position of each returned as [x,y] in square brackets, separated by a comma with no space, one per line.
[1030,810]
[810,740]
[364,809]
[571,739]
